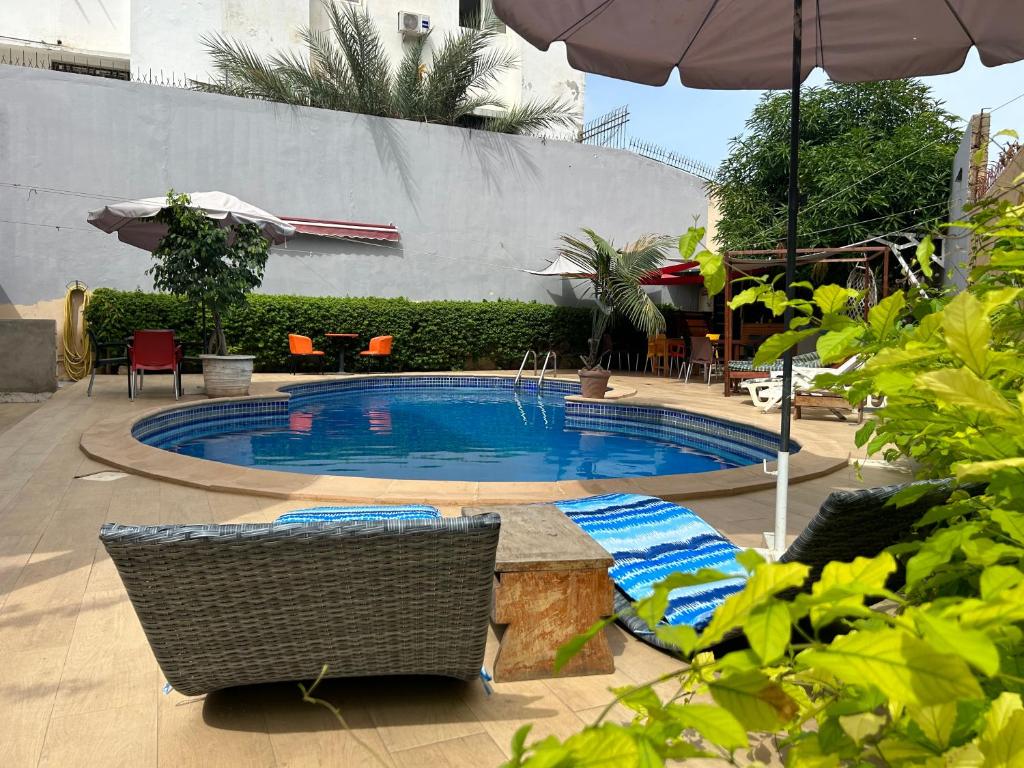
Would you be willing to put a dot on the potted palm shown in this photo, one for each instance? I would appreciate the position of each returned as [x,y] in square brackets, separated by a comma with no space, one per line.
[215,265]
[616,283]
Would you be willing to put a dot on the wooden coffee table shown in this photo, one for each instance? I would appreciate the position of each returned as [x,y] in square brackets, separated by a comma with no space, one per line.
[551,584]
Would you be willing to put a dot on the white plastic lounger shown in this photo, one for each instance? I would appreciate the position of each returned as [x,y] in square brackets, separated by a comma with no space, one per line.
[767,393]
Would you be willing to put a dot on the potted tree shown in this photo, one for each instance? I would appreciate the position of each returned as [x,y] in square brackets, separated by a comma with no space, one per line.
[616,283]
[215,265]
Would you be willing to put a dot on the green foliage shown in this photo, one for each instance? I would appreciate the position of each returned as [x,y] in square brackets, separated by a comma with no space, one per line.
[206,263]
[348,69]
[616,283]
[874,157]
[934,675]
[429,335]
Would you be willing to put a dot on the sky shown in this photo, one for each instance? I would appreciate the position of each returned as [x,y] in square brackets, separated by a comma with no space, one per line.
[699,123]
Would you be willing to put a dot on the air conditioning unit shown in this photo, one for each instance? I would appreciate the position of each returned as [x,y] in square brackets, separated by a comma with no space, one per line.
[413,24]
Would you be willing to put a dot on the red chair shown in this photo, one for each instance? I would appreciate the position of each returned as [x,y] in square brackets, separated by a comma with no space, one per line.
[380,347]
[301,347]
[153,351]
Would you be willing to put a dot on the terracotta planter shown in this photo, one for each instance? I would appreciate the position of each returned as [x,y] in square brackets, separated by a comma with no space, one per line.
[594,382]
[227,375]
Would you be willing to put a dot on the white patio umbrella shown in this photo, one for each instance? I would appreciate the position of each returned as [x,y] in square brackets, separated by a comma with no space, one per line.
[135,222]
[772,44]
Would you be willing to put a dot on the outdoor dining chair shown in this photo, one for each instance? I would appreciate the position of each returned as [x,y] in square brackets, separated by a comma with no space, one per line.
[153,350]
[102,357]
[380,347]
[702,353]
[301,348]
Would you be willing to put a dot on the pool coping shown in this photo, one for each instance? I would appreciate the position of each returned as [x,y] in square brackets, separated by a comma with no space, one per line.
[111,442]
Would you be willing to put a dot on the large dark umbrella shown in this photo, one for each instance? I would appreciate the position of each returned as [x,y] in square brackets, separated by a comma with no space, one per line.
[737,44]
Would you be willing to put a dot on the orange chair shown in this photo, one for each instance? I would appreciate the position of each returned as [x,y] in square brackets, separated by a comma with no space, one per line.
[380,346]
[300,348]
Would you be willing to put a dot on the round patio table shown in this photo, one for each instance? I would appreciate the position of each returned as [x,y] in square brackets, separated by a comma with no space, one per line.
[341,338]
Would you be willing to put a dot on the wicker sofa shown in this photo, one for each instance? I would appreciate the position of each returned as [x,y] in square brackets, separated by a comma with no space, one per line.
[227,605]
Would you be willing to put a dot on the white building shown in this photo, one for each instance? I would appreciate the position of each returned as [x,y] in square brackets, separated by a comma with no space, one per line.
[161,39]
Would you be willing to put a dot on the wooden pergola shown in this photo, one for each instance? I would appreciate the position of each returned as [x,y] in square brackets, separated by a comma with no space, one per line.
[739,263]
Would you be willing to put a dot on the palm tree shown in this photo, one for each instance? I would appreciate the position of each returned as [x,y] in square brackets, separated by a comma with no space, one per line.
[616,282]
[348,69]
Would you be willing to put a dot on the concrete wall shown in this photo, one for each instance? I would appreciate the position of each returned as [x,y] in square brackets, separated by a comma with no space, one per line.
[472,207]
[28,355]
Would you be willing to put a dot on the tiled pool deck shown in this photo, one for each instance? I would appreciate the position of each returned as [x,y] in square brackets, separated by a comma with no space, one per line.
[79,685]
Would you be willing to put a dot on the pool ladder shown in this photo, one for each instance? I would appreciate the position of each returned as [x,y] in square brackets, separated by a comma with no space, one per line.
[543,371]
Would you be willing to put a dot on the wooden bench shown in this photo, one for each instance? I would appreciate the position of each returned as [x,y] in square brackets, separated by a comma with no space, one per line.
[551,584]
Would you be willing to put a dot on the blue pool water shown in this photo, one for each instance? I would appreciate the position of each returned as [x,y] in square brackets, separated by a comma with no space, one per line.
[472,434]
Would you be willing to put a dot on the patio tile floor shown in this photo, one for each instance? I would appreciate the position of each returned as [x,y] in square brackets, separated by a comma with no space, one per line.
[79,685]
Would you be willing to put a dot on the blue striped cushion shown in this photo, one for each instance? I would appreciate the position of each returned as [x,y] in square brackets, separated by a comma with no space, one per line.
[650,538]
[370,512]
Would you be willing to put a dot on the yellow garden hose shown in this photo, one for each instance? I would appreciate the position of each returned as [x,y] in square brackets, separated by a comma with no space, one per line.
[77,349]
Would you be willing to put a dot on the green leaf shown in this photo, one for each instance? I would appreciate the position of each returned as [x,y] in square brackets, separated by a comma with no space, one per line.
[983,470]
[967,331]
[767,629]
[936,722]
[754,700]
[907,670]
[642,699]
[652,608]
[1002,741]
[774,346]
[712,269]
[606,745]
[568,650]
[946,636]
[836,345]
[1012,524]
[962,387]
[715,724]
[862,725]
[996,578]
[689,241]
[910,493]
[864,433]
[519,744]
[679,635]
[833,299]
[749,559]
[884,316]
[768,580]
[925,249]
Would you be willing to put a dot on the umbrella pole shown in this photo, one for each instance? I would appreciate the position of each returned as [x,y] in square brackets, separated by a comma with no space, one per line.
[778,543]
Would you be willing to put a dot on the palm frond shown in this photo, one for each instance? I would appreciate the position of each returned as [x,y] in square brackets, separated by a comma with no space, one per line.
[534,116]
[359,42]
[245,73]
[410,82]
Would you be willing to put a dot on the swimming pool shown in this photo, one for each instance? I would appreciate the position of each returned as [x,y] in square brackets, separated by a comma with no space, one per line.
[453,428]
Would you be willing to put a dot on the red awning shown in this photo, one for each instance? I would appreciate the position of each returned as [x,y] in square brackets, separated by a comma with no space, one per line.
[683,273]
[346,230]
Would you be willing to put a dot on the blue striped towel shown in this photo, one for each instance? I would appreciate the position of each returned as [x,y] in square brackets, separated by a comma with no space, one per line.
[650,538]
[369,512]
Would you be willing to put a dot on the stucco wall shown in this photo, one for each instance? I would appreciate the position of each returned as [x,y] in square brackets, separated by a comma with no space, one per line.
[964,185]
[472,207]
[80,25]
[28,349]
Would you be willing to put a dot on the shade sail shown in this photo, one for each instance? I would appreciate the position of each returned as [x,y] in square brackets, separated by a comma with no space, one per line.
[560,267]
[734,45]
[344,230]
[135,222]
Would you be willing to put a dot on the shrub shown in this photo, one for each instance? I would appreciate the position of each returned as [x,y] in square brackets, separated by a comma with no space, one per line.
[429,335]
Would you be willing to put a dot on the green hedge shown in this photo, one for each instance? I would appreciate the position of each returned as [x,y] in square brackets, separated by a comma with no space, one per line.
[429,335]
